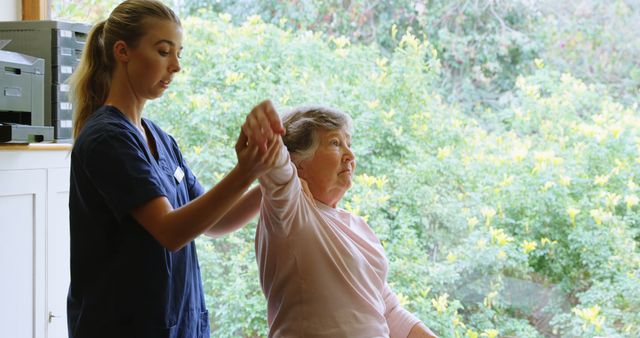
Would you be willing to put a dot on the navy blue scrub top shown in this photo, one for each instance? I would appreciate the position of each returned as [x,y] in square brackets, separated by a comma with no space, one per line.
[123,282]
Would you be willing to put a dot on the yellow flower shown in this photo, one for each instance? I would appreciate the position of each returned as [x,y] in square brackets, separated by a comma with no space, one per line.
[387,115]
[232,77]
[631,200]
[441,303]
[373,104]
[508,179]
[528,246]
[545,240]
[444,152]
[410,40]
[488,213]
[254,19]
[544,156]
[197,149]
[532,91]
[402,299]
[394,31]
[616,130]
[341,42]
[472,222]
[539,63]
[599,216]
[471,334]
[601,180]
[501,255]
[451,257]
[596,214]
[488,300]
[565,181]
[491,333]
[457,322]
[611,200]
[382,62]
[591,316]
[366,180]
[519,154]
[537,168]
[572,214]
[225,17]
[498,236]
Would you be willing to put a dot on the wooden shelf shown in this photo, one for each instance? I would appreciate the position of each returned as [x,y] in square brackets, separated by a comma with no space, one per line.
[35,146]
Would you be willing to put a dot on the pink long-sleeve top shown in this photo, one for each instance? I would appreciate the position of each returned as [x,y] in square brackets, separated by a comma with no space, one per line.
[322,269]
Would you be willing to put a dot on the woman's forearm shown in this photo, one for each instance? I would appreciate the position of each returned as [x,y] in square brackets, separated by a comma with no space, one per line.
[174,228]
[421,331]
[245,209]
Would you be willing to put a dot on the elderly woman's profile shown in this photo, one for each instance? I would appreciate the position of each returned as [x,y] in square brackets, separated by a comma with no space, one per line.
[322,269]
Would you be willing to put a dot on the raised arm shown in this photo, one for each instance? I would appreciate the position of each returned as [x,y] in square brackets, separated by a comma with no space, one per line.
[282,193]
[174,228]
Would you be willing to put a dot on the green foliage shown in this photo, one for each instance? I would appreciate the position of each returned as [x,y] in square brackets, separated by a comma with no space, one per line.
[596,41]
[89,11]
[521,222]
[483,45]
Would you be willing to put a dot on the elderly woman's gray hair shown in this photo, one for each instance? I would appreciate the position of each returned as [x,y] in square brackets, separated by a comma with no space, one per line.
[302,124]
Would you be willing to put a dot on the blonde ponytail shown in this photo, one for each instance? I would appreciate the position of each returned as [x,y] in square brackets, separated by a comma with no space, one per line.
[90,81]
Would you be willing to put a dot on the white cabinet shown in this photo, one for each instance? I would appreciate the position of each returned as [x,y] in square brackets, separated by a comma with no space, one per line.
[22,210]
[57,260]
[34,230]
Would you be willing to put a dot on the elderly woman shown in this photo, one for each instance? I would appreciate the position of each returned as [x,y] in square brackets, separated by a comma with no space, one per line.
[322,269]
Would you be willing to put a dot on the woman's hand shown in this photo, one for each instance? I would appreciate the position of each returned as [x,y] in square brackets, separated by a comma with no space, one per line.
[421,331]
[253,162]
[262,125]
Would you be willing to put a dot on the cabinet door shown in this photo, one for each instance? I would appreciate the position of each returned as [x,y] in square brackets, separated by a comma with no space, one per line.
[22,285]
[57,252]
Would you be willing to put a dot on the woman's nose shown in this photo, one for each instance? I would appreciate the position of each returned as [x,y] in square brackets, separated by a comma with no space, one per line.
[349,156]
[174,67]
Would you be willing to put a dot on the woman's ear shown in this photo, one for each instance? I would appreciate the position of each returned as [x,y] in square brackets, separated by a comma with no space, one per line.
[121,51]
[301,166]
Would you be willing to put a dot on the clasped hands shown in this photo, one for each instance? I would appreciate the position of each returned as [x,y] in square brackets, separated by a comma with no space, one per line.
[260,142]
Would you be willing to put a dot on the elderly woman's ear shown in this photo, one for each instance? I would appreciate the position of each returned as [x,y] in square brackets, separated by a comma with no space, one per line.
[301,166]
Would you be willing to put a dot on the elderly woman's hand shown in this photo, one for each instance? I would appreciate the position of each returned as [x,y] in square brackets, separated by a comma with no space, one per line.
[253,162]
[421,331]
[262,124]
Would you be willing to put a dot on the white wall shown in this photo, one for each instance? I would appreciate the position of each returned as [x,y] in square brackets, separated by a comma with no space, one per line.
[11,10]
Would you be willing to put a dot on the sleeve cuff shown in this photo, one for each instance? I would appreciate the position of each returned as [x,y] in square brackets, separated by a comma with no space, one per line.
[401,322]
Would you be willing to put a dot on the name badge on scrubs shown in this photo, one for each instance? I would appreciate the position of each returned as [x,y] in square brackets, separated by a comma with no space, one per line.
[178,174]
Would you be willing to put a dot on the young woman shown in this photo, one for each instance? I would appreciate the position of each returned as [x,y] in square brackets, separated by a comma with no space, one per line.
[135,206]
